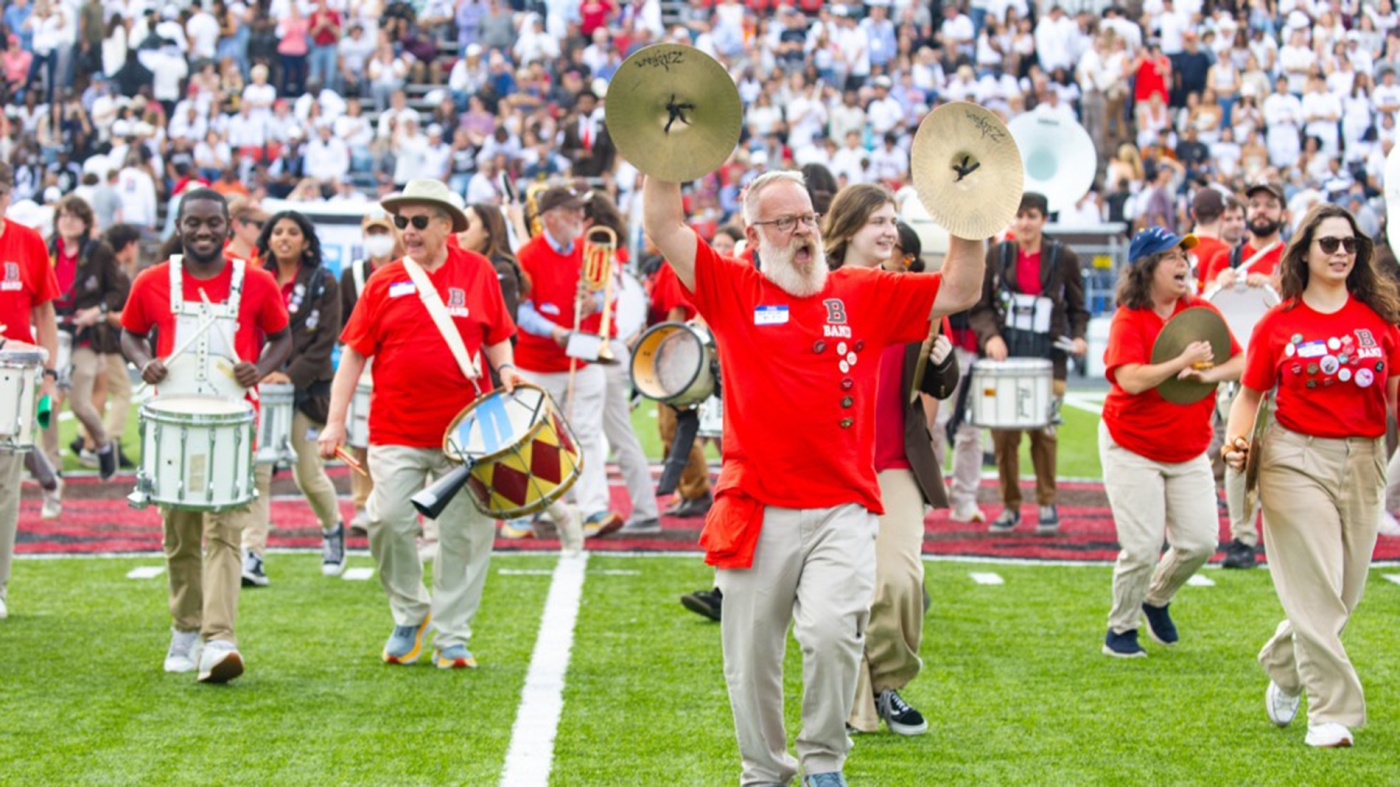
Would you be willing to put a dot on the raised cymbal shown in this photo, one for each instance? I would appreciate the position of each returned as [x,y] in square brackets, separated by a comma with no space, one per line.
[967,170]
[1195,324]
[674,112]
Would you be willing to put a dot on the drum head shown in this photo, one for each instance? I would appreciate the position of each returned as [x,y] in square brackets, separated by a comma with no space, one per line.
[1243,307]
[667,361]
[21,354]
[496,422]
[196,405]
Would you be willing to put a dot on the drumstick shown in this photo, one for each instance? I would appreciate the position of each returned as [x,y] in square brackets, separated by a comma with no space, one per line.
[204,326]
[350,461]
[228,340]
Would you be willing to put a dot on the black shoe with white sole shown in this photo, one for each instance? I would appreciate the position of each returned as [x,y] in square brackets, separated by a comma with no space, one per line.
[899,716]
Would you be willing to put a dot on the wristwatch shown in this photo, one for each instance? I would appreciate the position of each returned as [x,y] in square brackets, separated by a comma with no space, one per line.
[51,373]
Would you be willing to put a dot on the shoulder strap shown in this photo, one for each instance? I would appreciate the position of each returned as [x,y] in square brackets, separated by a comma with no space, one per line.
[429,295]
[1008,263]
[1236,255]
[357,272]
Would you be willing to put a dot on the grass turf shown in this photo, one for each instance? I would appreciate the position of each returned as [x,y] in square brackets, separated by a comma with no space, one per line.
[1014,686]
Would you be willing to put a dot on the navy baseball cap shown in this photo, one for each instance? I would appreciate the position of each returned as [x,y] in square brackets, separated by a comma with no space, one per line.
[1158,239]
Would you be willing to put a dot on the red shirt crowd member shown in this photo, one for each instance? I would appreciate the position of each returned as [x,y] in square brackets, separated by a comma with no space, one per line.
[419,387]
[204,581]
[1219,228]
[1265,215]
[1153,452]
[795,513]
[1329,350]
[27,291]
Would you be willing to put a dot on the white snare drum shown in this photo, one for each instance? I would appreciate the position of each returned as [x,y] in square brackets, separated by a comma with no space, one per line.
[357,424]
[674,363]
[277,402]
[196,453]
[1017,393]
[1242,307]
[20,377]
[63,364]
[711,418]
[184,377]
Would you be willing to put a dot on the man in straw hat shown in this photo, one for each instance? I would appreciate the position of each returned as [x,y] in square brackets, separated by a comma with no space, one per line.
[419,386]
[792,530]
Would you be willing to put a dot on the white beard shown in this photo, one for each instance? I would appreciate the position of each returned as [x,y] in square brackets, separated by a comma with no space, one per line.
[779,268]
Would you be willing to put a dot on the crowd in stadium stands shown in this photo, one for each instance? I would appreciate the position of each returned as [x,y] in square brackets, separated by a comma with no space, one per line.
[129,102]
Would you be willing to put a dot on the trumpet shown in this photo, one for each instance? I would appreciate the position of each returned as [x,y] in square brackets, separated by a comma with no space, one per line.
[599,250]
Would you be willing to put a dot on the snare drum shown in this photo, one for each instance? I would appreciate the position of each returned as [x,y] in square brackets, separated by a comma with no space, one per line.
[711,418]
[278,405]
[1017,393]
[674,363]
[1242,307]
[20,377]
[196,453]
[522,452]
[358,431]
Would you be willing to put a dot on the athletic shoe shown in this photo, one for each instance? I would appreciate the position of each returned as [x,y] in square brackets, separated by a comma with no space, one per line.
[1009,519]
[220,662]
[359,525]
[87,459]
[333,551]
[1281,707]
[1159,624]
[969,513]
[1328,735]
[454,657]
[253,574]
[704,602]
[518,528]
[601,524]
[107,461]
[53,501]
[77,446]
[642,527]
[1239,555]
[1389,527]
[898,715]
[406,643]
[4,610]
[691,509]
[1123,646]
[1049,522]
[828,779]
[183,655]
[124,461]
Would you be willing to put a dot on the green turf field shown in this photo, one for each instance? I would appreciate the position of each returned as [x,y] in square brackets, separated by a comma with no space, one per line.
[1014,686]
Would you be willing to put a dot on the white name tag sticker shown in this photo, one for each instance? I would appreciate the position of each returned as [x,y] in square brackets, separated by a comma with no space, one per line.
[401,289]
[770,315]
[1313,349]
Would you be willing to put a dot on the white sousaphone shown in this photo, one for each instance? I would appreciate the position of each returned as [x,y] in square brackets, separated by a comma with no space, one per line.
[1059,156]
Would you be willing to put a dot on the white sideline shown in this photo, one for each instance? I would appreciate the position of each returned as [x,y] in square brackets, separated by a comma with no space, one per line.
[531,754]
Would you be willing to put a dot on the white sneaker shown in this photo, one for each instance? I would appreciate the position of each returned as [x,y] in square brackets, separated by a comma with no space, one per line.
[1280,706]
[1389,527]
[4,610]
[184,651]
[1328,735]
[969,513]
[571,533]
[220,662]
[53,502]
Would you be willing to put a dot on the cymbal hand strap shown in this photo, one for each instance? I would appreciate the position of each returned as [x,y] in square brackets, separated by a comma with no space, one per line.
[676,111]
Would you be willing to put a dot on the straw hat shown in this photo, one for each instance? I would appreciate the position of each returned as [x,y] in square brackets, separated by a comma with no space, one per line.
[429,192]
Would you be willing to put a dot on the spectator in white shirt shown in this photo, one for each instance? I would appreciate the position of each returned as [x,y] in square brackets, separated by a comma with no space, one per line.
[534,45]
[884,112]
[212,156]
[355,50]
[410,150]
[957,35]
[889,163]
[1053,38]
[327,157]
[138,193]
[203,30]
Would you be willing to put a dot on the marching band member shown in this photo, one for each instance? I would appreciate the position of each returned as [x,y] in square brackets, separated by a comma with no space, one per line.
[1156,471]
[861,232]
[290,250]
[419,386]
[28,288]
[1329,348]
[1032,294]
[794,523]
[125,242]
[205,577]
[248,220]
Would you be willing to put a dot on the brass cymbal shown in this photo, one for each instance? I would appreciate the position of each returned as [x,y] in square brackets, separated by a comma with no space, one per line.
[1195,324]
[674,112]
[967,170]
[1262,417]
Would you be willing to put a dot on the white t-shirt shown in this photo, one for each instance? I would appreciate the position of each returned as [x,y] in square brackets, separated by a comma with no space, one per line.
[203,30]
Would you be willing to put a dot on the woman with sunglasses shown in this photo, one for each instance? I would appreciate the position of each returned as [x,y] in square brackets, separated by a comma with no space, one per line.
[1327,349]
[246,220]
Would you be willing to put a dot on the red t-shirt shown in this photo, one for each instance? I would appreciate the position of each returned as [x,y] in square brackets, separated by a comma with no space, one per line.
[1205,251]
[1266,265]
[326,36]
[65,269]
[1028,272]
[800,376]
[1147,424]
[27,279]
[889,411]
[418,386]
[1331,369]
[667,294]
[260,313]
[554,286]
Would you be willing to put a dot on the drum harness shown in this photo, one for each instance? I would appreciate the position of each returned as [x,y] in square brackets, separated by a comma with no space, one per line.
[188,314]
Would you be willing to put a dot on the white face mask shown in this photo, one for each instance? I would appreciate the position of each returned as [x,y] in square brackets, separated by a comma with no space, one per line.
[377,246]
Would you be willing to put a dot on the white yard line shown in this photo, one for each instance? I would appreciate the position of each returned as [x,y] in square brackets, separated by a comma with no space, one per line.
[1393,578]
[1200,581]
[1089,402]
[531,754]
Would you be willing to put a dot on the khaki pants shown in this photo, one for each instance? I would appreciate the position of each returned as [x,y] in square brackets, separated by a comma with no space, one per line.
[118,395]
[814,568]
[967,443]
[1322,501]
[309,473]
[1392,483]
[87,365]
[585,417]
[1149,499]
[897,614]
[11,475]
[360,486]
[464,544]
[617,426]
[204,579]
[695,478]
[1007,443]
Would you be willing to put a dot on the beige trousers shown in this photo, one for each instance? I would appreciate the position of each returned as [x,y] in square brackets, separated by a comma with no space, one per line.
[967,443]
[118,395]
[896,626]
[204,578]
[11,476]
[815,569]
[464,544]
[617,427]
[87,365]
[1322,501]
[309,473]
[1150,499]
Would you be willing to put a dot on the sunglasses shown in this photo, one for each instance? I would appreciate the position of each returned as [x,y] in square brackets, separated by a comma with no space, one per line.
[419,222]
[252,223]
[1329,244]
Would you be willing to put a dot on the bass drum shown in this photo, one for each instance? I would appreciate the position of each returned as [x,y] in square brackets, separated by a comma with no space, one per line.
[1242,307]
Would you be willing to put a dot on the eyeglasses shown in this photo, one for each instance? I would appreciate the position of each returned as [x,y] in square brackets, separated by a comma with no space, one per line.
[254,223]
[787,224]
[1329,244]
[419,222]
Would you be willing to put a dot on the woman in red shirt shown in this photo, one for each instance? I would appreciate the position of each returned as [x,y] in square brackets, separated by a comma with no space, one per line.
[1153,452]
[1329,348]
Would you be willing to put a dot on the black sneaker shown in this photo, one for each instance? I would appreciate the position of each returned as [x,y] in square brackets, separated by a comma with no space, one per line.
[1159,624]
[1239,555]
[1123,646]
[106,461]
[698,507]
[704,602]
[124,461]
[333,551]
[253,574]
[76,446]
[898,715]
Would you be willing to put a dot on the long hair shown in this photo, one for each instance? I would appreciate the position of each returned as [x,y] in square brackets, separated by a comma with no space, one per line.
[849,212]
[311,256]
[497,241]
[1363,283]
[600,209]
[1135,284]
[821,186]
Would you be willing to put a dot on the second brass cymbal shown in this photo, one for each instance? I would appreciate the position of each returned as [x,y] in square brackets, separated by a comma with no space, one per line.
[967,170]
[1196,324]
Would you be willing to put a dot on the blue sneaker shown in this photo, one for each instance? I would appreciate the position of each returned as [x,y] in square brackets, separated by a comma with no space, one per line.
[1008,520]
[828,779]
[454,657]
[406,643]
[1123,646]
[1159,624]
